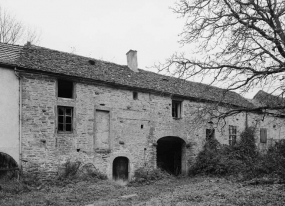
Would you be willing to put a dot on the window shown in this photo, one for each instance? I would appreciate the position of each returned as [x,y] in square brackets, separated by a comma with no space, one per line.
[232,135]
[176,109]
[210,134]
[65,89]
[135,95]
[263,135]
[65,115]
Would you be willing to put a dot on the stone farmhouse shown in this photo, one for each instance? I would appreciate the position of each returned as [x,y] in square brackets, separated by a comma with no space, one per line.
[57,106]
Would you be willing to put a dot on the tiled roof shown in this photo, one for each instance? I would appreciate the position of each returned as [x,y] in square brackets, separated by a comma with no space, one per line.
[48,60]
[9,53]
[265,99]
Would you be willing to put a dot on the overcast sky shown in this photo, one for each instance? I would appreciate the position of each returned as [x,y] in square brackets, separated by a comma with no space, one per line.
[103,29]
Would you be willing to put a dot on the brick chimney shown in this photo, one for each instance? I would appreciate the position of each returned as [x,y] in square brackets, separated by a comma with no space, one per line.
[132,60]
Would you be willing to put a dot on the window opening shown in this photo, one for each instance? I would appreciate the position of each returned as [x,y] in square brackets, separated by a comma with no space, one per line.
[210,134]
[263,135]
[135,95]
[176,109]
[65,122]
[232,135]
[65,89]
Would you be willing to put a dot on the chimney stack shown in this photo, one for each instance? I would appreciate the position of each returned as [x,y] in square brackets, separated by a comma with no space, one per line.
[132,60]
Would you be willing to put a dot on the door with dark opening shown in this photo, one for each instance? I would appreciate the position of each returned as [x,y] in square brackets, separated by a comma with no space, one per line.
[121,168]
[169,154]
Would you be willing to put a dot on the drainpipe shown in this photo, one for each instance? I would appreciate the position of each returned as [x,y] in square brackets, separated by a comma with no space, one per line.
[20,117]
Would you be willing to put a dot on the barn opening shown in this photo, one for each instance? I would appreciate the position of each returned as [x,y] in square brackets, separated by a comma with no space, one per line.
[171,155]
[7,164]
[121,168]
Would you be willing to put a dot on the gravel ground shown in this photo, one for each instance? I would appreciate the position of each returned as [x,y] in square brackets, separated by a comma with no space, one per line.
[172,191]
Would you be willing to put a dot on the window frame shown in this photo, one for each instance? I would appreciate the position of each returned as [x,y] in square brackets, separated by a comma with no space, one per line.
[176,109]
[65,115]
[232,135]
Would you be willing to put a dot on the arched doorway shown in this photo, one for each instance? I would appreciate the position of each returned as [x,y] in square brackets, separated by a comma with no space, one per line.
[7,163]
[121,168]
[171,155]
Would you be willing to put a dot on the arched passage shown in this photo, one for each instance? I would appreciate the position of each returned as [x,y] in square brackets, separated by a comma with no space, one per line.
[121,168]
[171,155]
[7,163]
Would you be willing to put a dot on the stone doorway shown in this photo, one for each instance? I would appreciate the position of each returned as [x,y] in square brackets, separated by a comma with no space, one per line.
[121,168]
[171,155]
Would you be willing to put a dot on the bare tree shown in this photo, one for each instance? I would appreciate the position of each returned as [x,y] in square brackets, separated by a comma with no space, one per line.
[239,44]
[13,31]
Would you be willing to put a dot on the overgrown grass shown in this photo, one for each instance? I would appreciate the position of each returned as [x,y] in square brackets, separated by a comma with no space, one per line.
[72,173]
[243,159]
[147,176]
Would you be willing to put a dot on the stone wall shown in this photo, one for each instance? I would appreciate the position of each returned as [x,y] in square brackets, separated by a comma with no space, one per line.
[134,125]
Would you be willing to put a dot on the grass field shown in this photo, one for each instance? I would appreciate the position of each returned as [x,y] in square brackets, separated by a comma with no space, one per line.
[170,191]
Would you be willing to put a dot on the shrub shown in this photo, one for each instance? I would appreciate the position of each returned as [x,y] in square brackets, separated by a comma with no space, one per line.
[216,159]
[89,171]
[145,176]
[273,162]
[242,158]
[70,169]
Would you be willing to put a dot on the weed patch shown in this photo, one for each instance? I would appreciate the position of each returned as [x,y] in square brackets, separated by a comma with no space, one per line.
[147,176]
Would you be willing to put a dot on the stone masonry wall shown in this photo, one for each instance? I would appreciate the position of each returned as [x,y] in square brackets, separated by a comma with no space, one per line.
[135,126]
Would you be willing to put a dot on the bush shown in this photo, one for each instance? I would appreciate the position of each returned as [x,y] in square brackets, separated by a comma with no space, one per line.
[145,176]
[73,171]
[89,171]
[242,158]
[216,159]
[70,169]
[273,162]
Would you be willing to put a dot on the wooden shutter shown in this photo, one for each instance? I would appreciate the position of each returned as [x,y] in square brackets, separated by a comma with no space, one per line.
[263,135]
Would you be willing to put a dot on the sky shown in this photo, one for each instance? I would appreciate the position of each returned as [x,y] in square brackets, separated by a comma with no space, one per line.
[106,29]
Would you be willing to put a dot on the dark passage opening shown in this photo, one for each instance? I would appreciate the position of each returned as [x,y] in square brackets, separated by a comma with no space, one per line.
[120,168]
[7,164]
[65,88]
[169,154]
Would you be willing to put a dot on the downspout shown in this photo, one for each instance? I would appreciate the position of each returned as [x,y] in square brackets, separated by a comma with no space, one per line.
[20,117]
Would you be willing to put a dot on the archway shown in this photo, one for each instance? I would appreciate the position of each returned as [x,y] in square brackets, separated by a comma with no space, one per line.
[7,163]
[171,155]
[121,168]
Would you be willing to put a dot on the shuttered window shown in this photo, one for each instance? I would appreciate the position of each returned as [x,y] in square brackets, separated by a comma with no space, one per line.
[263,135]
[232,135]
